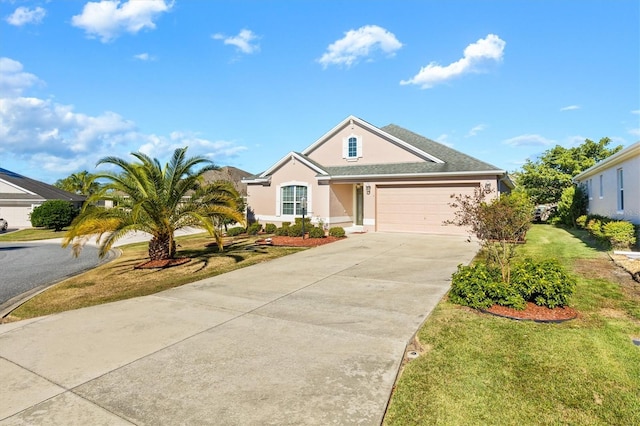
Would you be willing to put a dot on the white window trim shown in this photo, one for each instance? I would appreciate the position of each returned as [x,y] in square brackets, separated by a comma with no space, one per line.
[345,147]
[292,217]
[601,187]
[620,190]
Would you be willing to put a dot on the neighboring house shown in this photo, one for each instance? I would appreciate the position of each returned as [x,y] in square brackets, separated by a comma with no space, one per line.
[613,185]
[19,195]
[365,178]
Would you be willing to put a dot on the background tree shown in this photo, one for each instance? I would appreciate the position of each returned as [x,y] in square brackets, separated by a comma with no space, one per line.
[82,183]
[154,199]
[53,214]
[548,176]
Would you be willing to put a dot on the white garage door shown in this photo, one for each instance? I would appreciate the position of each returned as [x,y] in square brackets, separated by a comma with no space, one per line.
[418,208]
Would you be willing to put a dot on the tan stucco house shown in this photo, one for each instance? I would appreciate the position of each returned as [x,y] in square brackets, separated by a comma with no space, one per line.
[19,195]
[613,185]
[366,178]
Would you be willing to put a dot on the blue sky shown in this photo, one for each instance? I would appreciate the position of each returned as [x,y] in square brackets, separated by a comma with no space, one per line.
[245,82]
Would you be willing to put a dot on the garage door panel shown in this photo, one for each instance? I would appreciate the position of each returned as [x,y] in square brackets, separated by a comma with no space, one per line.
[418,208]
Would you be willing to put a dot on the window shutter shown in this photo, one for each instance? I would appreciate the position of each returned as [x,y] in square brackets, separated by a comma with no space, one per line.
[345,148]
[359,147]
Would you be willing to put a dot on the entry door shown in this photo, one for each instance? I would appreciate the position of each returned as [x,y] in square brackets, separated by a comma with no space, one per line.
[359,205]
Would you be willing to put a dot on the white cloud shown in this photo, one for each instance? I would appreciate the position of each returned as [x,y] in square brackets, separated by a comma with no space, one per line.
[108,19]
[489,48]
[529,140]
[144,57]
[243,41]
[13,81]
[475,130]
[636,111]
[24,15]
[635,132]
[358,44]
[56,138]
[570,108]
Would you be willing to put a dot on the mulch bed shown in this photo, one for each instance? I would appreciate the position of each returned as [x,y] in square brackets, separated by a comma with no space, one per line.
[297,241]
[534,312]
[161,264]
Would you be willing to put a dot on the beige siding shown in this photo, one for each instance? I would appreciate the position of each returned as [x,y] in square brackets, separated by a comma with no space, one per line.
[375,149]
[418,208]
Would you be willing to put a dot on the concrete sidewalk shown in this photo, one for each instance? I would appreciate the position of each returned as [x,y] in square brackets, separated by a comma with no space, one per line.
[312,338]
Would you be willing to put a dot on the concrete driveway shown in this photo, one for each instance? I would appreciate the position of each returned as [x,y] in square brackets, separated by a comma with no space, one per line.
[312,338]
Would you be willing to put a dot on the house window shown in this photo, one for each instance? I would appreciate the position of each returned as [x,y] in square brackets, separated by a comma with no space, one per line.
[590,189]
[620,190]
[601,187]
[352,147]
[291,199]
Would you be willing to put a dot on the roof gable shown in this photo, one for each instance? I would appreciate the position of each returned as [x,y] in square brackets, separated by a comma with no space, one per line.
[353,121]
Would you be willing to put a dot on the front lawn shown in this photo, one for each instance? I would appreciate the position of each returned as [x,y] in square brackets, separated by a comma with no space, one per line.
[479,369]
[118,280]
[31,234]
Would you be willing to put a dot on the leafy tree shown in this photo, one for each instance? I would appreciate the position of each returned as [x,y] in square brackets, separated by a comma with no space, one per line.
[545,178]
[53,214]
[82,183]
[572,205]
[155,199]
[499,224]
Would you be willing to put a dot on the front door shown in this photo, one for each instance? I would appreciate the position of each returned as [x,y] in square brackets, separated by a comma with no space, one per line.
[359,205]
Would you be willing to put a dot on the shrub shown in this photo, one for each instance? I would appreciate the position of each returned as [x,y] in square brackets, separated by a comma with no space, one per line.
[620,234]
[581,221]
[235,231]
[316,232]
[270,228]
[307,222]
[286,224]
[337,231]
[254,228]
[53,214]
[469,285]
[295,230]
[282,232]
[543,283]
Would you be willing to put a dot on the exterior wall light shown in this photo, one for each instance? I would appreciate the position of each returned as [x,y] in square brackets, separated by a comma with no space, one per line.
[368,187]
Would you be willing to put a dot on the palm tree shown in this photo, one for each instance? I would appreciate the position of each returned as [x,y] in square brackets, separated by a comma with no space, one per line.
[82,183]
[154,199]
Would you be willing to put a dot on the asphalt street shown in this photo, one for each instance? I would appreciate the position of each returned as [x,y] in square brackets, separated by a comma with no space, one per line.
[28,266]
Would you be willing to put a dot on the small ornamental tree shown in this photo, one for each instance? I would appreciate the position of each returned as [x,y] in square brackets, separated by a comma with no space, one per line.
[53,214]
[499,224]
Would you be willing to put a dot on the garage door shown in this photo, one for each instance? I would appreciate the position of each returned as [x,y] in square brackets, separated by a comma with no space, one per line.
[418,208]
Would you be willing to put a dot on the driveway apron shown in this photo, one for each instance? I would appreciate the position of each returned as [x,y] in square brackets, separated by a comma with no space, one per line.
[312,338]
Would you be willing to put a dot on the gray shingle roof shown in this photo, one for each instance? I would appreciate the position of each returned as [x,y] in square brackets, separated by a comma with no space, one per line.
[455,160]
[44,190]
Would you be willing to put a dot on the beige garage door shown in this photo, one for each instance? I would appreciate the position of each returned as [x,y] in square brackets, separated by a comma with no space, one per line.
[417,208]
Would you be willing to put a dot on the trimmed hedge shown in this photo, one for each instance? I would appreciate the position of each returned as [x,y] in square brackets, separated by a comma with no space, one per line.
[618,234]
[316,232]
[235,231]
[53,214]
[337,231]
[270,228]
[254,228]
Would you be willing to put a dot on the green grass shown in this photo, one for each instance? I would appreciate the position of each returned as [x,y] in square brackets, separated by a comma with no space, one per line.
[479,369]
[31,234]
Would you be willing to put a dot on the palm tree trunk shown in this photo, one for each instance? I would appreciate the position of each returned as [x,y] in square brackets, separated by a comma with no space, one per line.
[162,247]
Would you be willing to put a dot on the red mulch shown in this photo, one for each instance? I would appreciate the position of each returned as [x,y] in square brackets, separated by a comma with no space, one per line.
[161,264]
[535,313]
[297,241]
